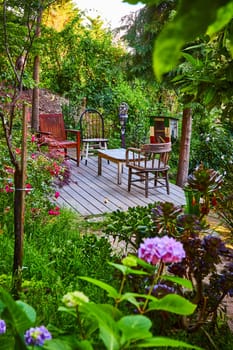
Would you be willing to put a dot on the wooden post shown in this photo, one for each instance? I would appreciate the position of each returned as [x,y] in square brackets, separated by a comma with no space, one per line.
[19,210]
[36,77]
[183,166]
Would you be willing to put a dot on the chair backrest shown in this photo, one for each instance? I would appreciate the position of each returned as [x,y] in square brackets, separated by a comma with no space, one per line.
[159,151]
[54,124]
[91,124]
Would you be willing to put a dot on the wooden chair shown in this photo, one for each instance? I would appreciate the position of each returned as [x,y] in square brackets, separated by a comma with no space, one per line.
[148,163]
[53,133]
[92,132]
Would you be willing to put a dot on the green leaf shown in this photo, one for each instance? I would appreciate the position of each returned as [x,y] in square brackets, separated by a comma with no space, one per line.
[224,16]
[68,310]
[130,297]
[209,95]
[16,313]
[192,20]
[28,310]
[127,270]
[57,344]
[134,328]
[178,280]
[107,325]
[162,341]
[173,303]
[112,292]
[6,343]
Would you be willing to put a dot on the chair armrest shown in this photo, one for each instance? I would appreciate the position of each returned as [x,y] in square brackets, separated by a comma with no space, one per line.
[44,133]
[74,131]
[133,156]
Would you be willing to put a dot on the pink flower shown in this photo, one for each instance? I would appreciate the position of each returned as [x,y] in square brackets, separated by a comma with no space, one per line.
[9,169]
[18,151]
[166,249]
[33,156]
[56,195]
[33,138]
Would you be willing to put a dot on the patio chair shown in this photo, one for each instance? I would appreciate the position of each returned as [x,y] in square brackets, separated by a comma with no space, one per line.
[148,164]
[92,132]
[53,134]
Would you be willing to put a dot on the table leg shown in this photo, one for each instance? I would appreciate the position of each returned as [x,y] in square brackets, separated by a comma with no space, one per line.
[119,170]
[99,164]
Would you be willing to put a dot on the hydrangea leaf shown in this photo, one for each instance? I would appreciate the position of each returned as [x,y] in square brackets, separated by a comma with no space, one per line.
[173,303]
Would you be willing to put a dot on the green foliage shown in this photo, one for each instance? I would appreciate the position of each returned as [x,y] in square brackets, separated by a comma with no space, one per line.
[225,211]
[130,226]
[115,331]
[165,219]
[179,31]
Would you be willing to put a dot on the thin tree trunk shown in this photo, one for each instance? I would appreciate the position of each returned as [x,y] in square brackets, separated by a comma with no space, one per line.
[19,211]
[36,77]
[183,167]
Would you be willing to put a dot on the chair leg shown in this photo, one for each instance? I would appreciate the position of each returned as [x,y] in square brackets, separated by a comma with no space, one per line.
[77,154]
[86,155]
[146,184]
[167,183]
[156,178]
[129,179]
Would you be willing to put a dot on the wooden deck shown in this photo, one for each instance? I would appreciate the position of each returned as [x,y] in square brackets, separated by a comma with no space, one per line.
[90,194]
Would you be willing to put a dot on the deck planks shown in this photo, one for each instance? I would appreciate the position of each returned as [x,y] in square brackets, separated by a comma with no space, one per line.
[89,194]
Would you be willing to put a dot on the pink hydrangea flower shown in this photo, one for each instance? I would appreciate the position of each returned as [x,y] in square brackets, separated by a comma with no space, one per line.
[165,249]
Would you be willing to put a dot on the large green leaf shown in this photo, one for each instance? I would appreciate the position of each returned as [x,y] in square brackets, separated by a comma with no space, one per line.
[108,330]
[181,281]
[28,310]
[112,292]
[173,303]
[134,327]
[20,315]
[162,341]
[191,21]
[6,344]
[224,16]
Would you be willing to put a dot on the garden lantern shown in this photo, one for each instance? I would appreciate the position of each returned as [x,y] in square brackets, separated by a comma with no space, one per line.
[123,116]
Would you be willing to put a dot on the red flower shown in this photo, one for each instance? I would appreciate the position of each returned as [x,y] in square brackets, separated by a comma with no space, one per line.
[18,151]
[9,188]
[56,195]
[28,188]
[55,211]
[214,201]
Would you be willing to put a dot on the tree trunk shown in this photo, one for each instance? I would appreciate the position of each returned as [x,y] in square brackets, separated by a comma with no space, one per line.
[19,211]
[183,167]
[36,77]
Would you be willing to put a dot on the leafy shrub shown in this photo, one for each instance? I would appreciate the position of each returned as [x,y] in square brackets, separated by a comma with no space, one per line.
[204,253]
